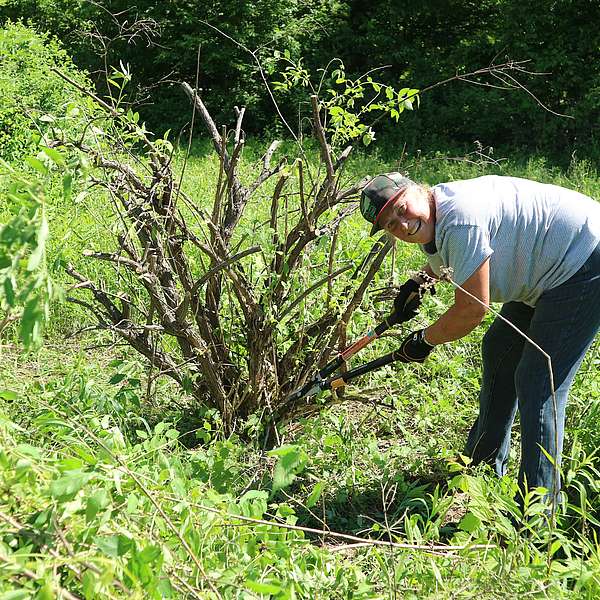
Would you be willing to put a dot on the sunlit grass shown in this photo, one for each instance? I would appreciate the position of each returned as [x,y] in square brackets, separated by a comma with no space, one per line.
[388,468]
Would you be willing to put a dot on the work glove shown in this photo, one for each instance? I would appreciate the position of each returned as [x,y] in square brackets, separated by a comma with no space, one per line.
[408,300]
[414,348]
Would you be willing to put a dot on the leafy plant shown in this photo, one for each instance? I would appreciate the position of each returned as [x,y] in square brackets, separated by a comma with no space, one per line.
[84,452]
[31,96]
[348,102]
[26,289]
[195,299]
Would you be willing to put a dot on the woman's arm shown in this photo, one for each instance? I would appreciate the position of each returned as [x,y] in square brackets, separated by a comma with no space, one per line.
[466,313]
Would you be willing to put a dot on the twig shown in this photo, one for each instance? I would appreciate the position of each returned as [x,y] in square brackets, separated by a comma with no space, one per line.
[222,265]
[325,151]
[238,127]
[327,279]
[333,534]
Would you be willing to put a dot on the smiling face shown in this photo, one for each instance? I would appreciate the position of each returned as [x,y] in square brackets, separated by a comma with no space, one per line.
[411,217]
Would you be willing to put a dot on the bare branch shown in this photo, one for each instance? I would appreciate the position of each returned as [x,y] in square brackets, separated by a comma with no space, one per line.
[222,265]
[238,128]
[327,279]
[325,149]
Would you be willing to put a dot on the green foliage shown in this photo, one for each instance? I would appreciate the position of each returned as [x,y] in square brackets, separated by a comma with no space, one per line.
[26,288]
[423,43]
[291,461]
[84,447]
[134,508]
[179,29]
[348,103]
[31,96]
[427,42]
[134,512]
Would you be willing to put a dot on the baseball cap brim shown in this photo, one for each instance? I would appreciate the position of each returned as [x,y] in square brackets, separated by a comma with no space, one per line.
[376,225]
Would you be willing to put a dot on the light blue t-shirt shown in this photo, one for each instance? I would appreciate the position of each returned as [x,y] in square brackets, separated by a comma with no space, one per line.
[536,235]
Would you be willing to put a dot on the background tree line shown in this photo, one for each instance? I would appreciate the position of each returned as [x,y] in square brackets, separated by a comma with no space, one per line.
[423,43]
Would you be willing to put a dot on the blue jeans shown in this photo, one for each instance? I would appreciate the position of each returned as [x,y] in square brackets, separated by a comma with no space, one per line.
[563,323]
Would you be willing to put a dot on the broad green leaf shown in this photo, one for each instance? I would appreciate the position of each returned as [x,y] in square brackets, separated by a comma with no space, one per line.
[9,291]
[8,395]
[46,593]
[556,545]
[292,460]
[16,595]
[150,554]
[67,186]
[315,495]
[69,484]
[165,589]
[114,545]
[29,450]
[31,322]
[98,501]
[117,378]
[89,582]
[469,523]
[132,503]
[37,164]
[263,588]
[55,156]
[42,235]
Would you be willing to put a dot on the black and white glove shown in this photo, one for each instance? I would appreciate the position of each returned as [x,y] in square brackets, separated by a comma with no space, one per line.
[408,300]
[414,348]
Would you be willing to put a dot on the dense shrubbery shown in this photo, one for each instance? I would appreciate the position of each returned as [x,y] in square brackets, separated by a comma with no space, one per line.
[423,42]
[31,96]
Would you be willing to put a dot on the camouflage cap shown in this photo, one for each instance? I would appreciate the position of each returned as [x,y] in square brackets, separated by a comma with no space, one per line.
[378,193]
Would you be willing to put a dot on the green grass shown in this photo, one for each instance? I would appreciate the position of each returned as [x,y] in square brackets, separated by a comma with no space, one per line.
[103,480]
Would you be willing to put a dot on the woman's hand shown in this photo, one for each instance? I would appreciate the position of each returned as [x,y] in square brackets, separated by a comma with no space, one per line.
[408,300]
[415,348]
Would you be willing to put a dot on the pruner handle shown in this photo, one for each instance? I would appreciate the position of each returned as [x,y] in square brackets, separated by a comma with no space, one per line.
[321,380]
[357,346]
[341,380]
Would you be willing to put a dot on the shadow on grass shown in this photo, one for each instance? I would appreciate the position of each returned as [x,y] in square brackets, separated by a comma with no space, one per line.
[383,511]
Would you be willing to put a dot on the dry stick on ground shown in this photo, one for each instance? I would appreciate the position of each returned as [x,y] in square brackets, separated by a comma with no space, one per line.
[439,549]
[78,425]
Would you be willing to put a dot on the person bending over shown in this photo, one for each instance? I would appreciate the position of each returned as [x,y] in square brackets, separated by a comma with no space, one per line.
[535,248]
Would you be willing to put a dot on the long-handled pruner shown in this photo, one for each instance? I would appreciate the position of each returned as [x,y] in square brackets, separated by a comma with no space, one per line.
[323,381]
